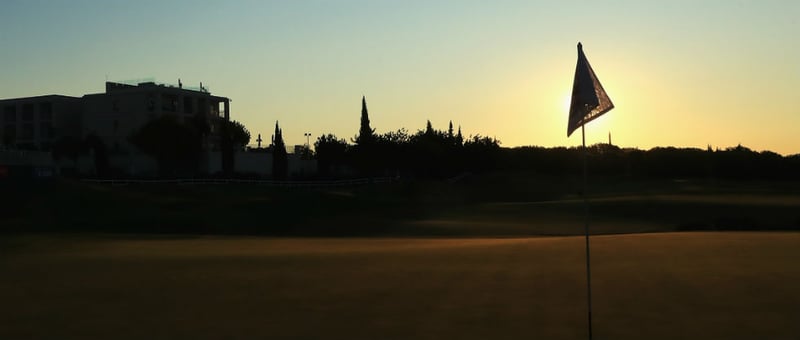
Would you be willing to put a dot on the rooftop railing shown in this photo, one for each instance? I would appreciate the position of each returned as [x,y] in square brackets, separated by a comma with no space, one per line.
[137,82]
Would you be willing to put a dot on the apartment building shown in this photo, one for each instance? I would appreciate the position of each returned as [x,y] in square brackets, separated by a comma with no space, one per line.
[34,124]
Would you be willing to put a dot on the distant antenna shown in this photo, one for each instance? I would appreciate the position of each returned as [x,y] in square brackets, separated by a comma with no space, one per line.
[609,138]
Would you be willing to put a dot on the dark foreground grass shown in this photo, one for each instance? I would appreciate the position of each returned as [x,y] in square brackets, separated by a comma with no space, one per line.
[724,285]
[487,205]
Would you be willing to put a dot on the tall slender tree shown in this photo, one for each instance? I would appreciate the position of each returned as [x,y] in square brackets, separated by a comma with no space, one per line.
[429,129]
[366,134]
[365,150]
[450,131]
[280,159]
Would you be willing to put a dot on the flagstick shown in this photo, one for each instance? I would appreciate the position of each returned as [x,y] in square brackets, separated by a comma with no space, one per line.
[586,230]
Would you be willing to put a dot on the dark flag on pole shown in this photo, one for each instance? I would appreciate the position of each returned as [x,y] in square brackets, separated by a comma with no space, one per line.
[589,100]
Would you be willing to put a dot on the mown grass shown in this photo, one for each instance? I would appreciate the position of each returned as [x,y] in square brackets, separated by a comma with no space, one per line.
[699,285]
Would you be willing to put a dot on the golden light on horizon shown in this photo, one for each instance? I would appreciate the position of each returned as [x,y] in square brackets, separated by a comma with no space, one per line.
[566,101]
[486,67]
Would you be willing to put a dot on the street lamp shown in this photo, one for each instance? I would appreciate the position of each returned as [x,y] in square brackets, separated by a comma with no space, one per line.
[308,135]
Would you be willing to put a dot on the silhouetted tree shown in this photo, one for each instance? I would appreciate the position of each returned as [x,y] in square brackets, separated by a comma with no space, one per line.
[450,131]
[482,153]
[280,159]
[175,146]
[429,129]
[366,134]
[233,136]
[200,124]
[396,137]
[237,133]
[330,151]
[430,152]
[393,152]
[660,162]
[99,153]
[364,152]
[69,147]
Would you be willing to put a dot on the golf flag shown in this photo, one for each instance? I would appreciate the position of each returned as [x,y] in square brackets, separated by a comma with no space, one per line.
[589,100]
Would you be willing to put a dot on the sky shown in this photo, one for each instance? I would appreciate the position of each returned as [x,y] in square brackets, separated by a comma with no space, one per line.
[680,73]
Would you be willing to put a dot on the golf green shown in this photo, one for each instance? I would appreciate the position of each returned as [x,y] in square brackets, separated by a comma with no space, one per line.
[703,285]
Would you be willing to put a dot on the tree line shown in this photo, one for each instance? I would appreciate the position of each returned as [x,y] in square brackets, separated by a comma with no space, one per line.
[428,153]
[739,162]
[432,153]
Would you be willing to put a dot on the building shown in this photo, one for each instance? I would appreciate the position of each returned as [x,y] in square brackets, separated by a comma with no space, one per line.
[123,109]
[36,123]
[32,127]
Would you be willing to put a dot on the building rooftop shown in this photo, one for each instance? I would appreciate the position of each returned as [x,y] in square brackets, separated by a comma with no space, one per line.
[46,96]
[114,86]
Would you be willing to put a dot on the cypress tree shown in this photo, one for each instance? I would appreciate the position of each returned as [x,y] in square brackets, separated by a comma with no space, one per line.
[280,159]
[429,129]
[366,134]
[450,131]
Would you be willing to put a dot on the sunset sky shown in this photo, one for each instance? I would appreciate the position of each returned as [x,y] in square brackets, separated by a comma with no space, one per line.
[681,73]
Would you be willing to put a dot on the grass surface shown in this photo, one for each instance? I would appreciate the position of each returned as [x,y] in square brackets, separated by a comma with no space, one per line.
[485,205]
[720,285]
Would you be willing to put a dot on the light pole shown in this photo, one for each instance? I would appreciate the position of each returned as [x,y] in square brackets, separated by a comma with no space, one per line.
[308,145]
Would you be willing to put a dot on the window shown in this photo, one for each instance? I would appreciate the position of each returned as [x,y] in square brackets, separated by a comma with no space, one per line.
[169,102]
[10,131]
[27,132]
[10,114]
[215,108]
[27,112]
[46,130]
[202,106]
[46,111]
[187,104]
[151,103]
[46,108]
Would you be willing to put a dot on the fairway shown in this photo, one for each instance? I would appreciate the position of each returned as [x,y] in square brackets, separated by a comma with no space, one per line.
[721,285]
